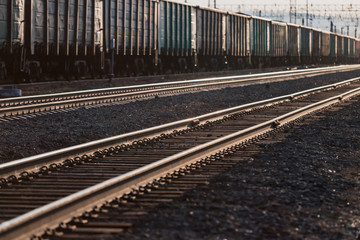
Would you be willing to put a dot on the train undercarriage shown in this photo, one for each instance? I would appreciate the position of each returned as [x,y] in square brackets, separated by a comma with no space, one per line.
[65,68]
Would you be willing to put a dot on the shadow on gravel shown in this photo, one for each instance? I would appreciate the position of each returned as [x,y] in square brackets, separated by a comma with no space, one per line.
[305,187]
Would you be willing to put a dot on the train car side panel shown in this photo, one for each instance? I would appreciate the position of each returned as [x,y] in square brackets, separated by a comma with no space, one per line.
[325,44]
[357,50]
[305,42]
[352,48]
[11,23]
[58,27]
[278,40]
[293,40]
[316,44]
[210,32]
[332,45]
[346,46]
[259,39]
[340,46]
[176,33]
[12,14]
[237,35]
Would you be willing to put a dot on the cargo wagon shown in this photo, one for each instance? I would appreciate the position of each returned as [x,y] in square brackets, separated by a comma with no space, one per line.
[63,36]
[278,43]
[260,41]
[177,36]
[306,35]
[12,14]
[293,43]
[325,47]
[238,40]
[211,38]
[130,36]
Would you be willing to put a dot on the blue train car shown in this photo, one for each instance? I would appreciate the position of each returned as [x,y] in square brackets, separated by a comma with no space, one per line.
[177,36]
[316,46]
[346,47]
[333,42]
[306,35]
[76,38]
[260,40]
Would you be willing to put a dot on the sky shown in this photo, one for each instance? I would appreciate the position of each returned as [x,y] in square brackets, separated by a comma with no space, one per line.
[205,2]
[343,21]
[277,1]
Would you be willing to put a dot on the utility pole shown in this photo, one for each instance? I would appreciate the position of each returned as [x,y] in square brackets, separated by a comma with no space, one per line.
[295,12]
[292,10]
[214,3]
[331,26]
[307,12]
[312,15]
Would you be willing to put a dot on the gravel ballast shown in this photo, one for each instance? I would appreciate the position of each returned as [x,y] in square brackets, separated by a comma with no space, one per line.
[78,85]
[22,138]
[304,187]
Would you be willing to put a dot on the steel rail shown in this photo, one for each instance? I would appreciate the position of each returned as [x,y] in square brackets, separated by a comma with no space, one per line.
[64,209]
[144,87]
[34,163]
[129,94]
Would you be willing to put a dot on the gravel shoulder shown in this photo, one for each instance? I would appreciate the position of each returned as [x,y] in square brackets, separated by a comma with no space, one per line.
[22,138]
[304,187]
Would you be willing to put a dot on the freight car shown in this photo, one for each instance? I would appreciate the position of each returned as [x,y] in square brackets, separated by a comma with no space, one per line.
[130,36]
[278,43]
[306,34]
[63,37]
[11,37]
[211,38]
[260,40]
[51,36]
[77,38]
[177,37]
[294,43]
[325,46]
[238,40]
[357,51]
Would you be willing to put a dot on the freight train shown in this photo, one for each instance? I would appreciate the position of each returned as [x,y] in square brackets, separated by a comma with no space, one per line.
[76,38]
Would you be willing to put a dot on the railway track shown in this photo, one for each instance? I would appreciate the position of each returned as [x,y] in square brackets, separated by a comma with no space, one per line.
[51,191]
[14,108]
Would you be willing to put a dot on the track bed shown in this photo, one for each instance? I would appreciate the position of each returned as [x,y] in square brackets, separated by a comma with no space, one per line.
[53,131]
[69,178]
[302,183]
